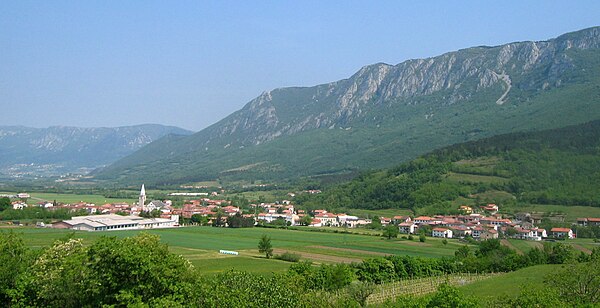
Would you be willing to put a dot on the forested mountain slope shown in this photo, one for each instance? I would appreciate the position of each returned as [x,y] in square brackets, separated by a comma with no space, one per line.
[558,166]
[385,114]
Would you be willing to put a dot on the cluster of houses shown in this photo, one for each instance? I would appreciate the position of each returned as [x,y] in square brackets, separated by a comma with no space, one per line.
[485,223]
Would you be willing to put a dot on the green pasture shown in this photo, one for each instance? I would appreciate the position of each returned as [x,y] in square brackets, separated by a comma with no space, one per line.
[200,245]
[72,198]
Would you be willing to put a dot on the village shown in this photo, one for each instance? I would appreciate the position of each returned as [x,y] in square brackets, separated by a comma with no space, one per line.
[480,223]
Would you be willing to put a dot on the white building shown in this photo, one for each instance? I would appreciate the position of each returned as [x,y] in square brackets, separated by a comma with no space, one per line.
[441,232]
[116,222]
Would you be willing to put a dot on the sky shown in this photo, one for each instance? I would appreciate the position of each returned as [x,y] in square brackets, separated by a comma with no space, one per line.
[192,63]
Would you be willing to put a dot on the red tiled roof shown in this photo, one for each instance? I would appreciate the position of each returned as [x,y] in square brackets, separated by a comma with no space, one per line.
[565,230]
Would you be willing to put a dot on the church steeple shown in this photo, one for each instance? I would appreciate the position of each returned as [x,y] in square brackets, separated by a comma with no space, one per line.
[142,200]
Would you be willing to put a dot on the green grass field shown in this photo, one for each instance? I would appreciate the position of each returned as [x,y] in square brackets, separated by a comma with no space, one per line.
[72,198]
[510,284]
[200,245]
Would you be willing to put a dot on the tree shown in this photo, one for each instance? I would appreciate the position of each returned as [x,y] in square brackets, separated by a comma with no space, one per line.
[390,232]
[264,246]
[14,260]
[306,220]
[4,203]
[422,238]
[578,283]
[449,296]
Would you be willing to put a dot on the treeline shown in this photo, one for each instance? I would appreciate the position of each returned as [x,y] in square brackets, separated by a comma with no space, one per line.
[39,213]
[412,185]
[489,256]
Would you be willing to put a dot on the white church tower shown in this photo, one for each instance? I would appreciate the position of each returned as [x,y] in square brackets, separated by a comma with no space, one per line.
[142,200]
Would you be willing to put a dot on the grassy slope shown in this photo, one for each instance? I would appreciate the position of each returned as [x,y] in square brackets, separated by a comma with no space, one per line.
[510,284]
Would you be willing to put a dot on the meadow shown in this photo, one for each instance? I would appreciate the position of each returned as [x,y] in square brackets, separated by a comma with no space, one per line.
[201,245]
[510,284]
[37,197]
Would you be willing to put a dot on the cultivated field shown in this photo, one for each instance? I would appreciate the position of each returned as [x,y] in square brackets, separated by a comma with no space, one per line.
[72,198]
[201,245]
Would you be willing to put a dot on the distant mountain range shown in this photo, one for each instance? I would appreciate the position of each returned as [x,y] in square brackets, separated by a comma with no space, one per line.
[60,149]
[385,114]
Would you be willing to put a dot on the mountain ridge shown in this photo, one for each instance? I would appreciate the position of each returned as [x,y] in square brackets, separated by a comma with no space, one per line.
[73,147]
[482,80]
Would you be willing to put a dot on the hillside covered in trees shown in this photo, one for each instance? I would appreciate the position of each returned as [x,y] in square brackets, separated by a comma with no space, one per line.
[558,166]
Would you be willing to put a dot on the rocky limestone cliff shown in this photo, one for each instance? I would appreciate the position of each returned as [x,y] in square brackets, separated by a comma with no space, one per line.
[460,75]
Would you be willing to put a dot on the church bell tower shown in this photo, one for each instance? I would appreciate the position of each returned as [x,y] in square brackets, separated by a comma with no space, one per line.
[142,200]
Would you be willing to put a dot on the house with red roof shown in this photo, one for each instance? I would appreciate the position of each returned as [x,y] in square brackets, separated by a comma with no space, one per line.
[588,221]
[562,233]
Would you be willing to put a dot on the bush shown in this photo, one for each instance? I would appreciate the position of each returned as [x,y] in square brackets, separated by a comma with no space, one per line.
[422,238]
[288,256]
[410,237]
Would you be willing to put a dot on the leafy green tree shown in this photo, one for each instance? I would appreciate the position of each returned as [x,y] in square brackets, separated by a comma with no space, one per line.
[135,267]
[5,203]
[375,223]
[578,283]
[306,220]
[450,297]
[558,253]
[391,231]
[264,246]
[15,259]
[360,291]
[530,296]
[422,238]
[199,219]
[59,277]
[376,270]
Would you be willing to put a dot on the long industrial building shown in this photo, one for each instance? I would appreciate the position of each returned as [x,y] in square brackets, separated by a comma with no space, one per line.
[116,222]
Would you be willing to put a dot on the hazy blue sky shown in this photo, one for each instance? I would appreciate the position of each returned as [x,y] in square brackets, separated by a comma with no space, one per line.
[115,63]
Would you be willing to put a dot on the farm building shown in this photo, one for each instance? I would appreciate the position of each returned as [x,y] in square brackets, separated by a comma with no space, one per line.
[116,222]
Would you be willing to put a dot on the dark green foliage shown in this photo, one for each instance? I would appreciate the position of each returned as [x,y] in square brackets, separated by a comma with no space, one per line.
[559,166]
[288,256]
[558,253]
[578,283]
[238,221]
[39,213]
[199,219]
[15,259]
[450,297]
[532,297]
[4,203]
[391,231]
[109,272]
[265,246]
[376,270]
[325,277]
